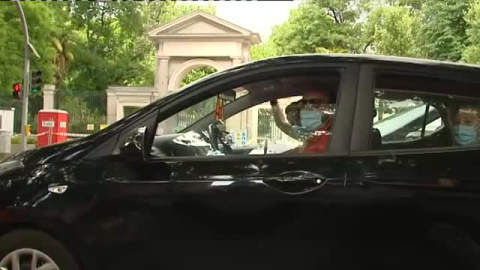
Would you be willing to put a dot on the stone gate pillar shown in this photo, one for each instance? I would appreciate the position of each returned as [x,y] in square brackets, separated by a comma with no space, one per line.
[48,96]
[161,76]
[111,107]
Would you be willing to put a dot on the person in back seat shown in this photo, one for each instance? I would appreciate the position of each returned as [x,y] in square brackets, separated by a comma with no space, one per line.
[466,124]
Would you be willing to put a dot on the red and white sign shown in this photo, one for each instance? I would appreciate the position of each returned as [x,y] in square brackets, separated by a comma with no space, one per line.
[48,124]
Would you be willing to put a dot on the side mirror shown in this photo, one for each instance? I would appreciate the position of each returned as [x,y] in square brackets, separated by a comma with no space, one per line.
[144,148]
[134,147]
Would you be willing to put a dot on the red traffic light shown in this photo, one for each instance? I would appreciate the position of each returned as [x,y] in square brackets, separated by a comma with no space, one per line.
[17,87]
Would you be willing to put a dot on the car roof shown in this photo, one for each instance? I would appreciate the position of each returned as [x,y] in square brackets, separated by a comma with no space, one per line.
[332,58]
[365,58]
[414,63]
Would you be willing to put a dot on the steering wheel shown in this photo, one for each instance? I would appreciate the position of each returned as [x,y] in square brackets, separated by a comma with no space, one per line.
[216,135]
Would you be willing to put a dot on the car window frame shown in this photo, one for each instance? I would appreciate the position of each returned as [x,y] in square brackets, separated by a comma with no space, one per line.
[345,99]
[363,124]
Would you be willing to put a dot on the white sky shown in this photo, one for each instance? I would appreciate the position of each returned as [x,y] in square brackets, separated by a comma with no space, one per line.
[256,16]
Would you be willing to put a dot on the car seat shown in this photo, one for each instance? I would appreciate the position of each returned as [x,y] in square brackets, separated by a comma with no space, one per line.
[376,137]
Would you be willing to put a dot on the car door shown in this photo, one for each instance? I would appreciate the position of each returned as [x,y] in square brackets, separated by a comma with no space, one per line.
[251,211]
[216,209]
[416,194]
[130,201]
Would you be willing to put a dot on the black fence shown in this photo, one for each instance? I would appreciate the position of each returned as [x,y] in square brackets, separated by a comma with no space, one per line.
[87,110]
[267,130]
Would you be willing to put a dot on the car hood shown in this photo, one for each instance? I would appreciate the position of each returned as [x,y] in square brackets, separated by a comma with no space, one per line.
[52,153]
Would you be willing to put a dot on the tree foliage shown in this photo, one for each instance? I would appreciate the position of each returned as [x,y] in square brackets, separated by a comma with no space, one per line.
[112,46]
[264,50]
[89,45]
[472,51]
[86,45]
[435,29]
[391,31]
[442,33]
[196,74]
[41,27]
[319,24]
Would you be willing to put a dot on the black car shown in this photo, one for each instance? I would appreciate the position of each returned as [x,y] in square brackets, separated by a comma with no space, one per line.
[214,176]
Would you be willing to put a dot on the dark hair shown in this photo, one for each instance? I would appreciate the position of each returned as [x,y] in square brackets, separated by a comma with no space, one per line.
[293,108]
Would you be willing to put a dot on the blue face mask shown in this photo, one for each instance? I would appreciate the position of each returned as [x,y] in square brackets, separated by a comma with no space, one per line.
[465,135]
[311,120]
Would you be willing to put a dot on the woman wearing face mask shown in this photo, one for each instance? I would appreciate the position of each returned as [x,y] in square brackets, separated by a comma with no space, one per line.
[313,121]
[466,125]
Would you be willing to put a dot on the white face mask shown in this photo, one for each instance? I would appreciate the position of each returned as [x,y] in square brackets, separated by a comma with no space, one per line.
[311,120]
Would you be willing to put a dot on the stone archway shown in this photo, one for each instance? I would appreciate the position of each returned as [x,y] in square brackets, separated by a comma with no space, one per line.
[182,71]
[195,40]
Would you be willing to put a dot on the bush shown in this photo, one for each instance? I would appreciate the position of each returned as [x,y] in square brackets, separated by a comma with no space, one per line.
[32,140]
[17,139]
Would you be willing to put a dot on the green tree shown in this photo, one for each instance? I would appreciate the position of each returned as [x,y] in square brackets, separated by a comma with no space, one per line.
[171,11]
[196,74]
[391,31]
[370,5]
[319,24]
[442,33]
[41,26]
[331,50]
[472,51]
[63,39]
[263,50]
[413,4]
[109,47]
[112,48]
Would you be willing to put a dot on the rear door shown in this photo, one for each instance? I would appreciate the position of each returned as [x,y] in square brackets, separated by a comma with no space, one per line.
[412,182]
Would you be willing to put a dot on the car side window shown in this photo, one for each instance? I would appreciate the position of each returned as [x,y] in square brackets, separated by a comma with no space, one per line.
[285,115]
[418,115]
[267,131]
[405,119]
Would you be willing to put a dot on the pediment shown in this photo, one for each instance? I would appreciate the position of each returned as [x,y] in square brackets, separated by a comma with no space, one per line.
[199,23]
[202,26]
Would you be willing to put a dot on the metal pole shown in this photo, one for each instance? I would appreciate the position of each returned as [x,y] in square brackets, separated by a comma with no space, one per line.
[26,73]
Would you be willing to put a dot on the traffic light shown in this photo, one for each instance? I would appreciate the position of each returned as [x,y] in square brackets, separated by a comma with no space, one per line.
[17,89]
[36,85]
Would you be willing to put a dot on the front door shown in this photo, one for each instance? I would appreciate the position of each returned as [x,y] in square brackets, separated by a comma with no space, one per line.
[260,200]
[412,174]
[229,182]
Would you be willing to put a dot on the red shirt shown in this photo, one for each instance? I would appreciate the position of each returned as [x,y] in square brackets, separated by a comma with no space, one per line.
[318,143]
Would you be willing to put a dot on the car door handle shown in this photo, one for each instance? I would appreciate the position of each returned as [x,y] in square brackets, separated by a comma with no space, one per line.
[301,176]
[296,182]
